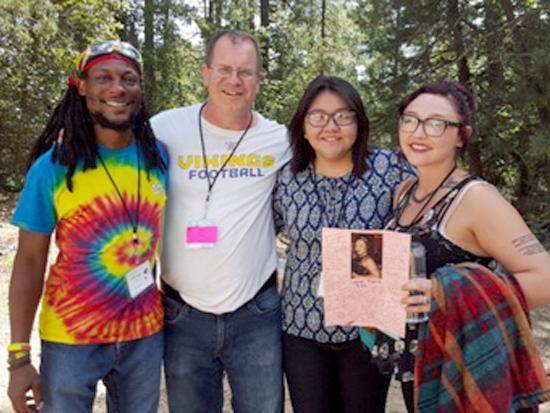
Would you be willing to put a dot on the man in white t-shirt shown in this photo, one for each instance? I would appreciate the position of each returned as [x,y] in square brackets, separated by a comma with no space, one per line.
[219,254]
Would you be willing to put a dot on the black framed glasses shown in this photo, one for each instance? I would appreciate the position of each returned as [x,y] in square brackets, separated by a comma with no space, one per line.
[320,119]
[433,127]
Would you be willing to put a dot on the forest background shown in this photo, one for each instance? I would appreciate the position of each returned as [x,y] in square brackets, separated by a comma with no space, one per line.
[499,48]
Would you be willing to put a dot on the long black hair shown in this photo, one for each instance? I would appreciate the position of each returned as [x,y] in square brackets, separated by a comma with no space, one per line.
[303,153]
[79,142]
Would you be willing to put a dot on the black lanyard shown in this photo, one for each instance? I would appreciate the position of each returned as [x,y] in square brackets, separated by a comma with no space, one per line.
[211,183]
[132,222]
[335,222]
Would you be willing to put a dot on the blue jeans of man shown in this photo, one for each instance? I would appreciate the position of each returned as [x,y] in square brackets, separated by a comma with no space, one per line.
[246,344]
[130,371]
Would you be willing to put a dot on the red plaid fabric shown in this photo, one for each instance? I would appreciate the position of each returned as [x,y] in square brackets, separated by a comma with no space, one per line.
[477,353]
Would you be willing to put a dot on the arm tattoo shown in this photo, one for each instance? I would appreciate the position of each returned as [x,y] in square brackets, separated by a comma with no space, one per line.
[532,249]
[518,242]
[528,245]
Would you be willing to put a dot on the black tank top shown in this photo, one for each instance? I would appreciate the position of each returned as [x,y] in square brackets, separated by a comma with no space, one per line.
[387,353]
[439,250]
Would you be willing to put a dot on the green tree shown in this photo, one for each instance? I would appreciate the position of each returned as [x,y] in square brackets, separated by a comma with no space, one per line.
[408,44]
[39,39]
[171,63]
[385,47]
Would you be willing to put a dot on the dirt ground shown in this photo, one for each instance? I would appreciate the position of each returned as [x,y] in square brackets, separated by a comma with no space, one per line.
[8,245]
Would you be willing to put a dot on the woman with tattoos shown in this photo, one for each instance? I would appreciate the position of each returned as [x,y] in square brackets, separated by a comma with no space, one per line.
[458,218]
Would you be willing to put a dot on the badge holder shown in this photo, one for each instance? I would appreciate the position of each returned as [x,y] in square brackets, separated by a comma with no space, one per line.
[139,279]
[202,233]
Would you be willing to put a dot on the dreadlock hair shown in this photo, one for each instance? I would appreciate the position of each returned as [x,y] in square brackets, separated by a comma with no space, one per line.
[72,116]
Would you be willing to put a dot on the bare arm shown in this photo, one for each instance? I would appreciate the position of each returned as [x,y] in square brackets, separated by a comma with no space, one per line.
[486,224]
[26,285]
[502,234]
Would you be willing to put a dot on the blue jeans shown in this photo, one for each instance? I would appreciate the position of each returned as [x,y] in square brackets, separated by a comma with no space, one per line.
[130,371]
[246,344]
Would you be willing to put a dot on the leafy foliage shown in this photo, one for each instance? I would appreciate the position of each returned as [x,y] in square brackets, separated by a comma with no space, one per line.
[499,48]
[38,39]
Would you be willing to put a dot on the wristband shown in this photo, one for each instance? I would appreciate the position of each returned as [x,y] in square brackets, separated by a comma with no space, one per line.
[18,352]
[12,357]
[16,347]
[20,363]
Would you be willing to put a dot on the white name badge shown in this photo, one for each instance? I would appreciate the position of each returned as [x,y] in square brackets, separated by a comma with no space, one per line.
[201,234]
[138,279]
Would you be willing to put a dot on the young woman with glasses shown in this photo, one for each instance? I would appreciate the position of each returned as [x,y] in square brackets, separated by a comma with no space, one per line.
[333,180]
[458,218]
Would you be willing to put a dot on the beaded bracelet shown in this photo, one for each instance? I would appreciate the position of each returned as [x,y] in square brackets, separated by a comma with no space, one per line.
[19,363]
[18,352]
[13,357]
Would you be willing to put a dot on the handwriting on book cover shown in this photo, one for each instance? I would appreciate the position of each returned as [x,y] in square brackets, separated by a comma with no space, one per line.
[363,271]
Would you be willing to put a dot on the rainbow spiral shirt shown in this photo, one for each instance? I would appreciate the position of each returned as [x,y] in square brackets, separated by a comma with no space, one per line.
[86,299]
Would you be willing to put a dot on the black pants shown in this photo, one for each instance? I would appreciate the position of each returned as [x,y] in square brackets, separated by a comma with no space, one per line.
[332,378]
[407,390]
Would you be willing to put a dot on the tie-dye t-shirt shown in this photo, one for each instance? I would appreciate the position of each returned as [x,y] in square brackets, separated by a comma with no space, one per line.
[86,298]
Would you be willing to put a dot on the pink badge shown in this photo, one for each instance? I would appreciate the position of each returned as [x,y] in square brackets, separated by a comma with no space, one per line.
[202,235]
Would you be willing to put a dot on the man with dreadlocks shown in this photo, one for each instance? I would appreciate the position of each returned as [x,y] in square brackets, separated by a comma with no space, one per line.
[102,190]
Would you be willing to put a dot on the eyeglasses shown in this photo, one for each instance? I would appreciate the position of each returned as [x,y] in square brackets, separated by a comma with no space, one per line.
[320,119]
[433,127]
[226,71]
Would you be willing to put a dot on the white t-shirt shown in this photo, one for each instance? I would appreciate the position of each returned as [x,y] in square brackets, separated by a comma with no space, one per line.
[220,279]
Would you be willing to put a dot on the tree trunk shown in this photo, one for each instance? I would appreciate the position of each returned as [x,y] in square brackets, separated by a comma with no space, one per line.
[522,189]
[492,100]
[127,31]
[251,7]
[458,42]
[464,77]
[264,40]
[323,14]
[148,54]
[323,22]
[218,12]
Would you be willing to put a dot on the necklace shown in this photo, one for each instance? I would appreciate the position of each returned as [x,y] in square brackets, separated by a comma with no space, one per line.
[420,200]
[430,196]
[135,224]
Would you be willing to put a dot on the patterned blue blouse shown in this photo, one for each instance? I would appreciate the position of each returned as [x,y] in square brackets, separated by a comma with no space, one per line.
[306,202]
